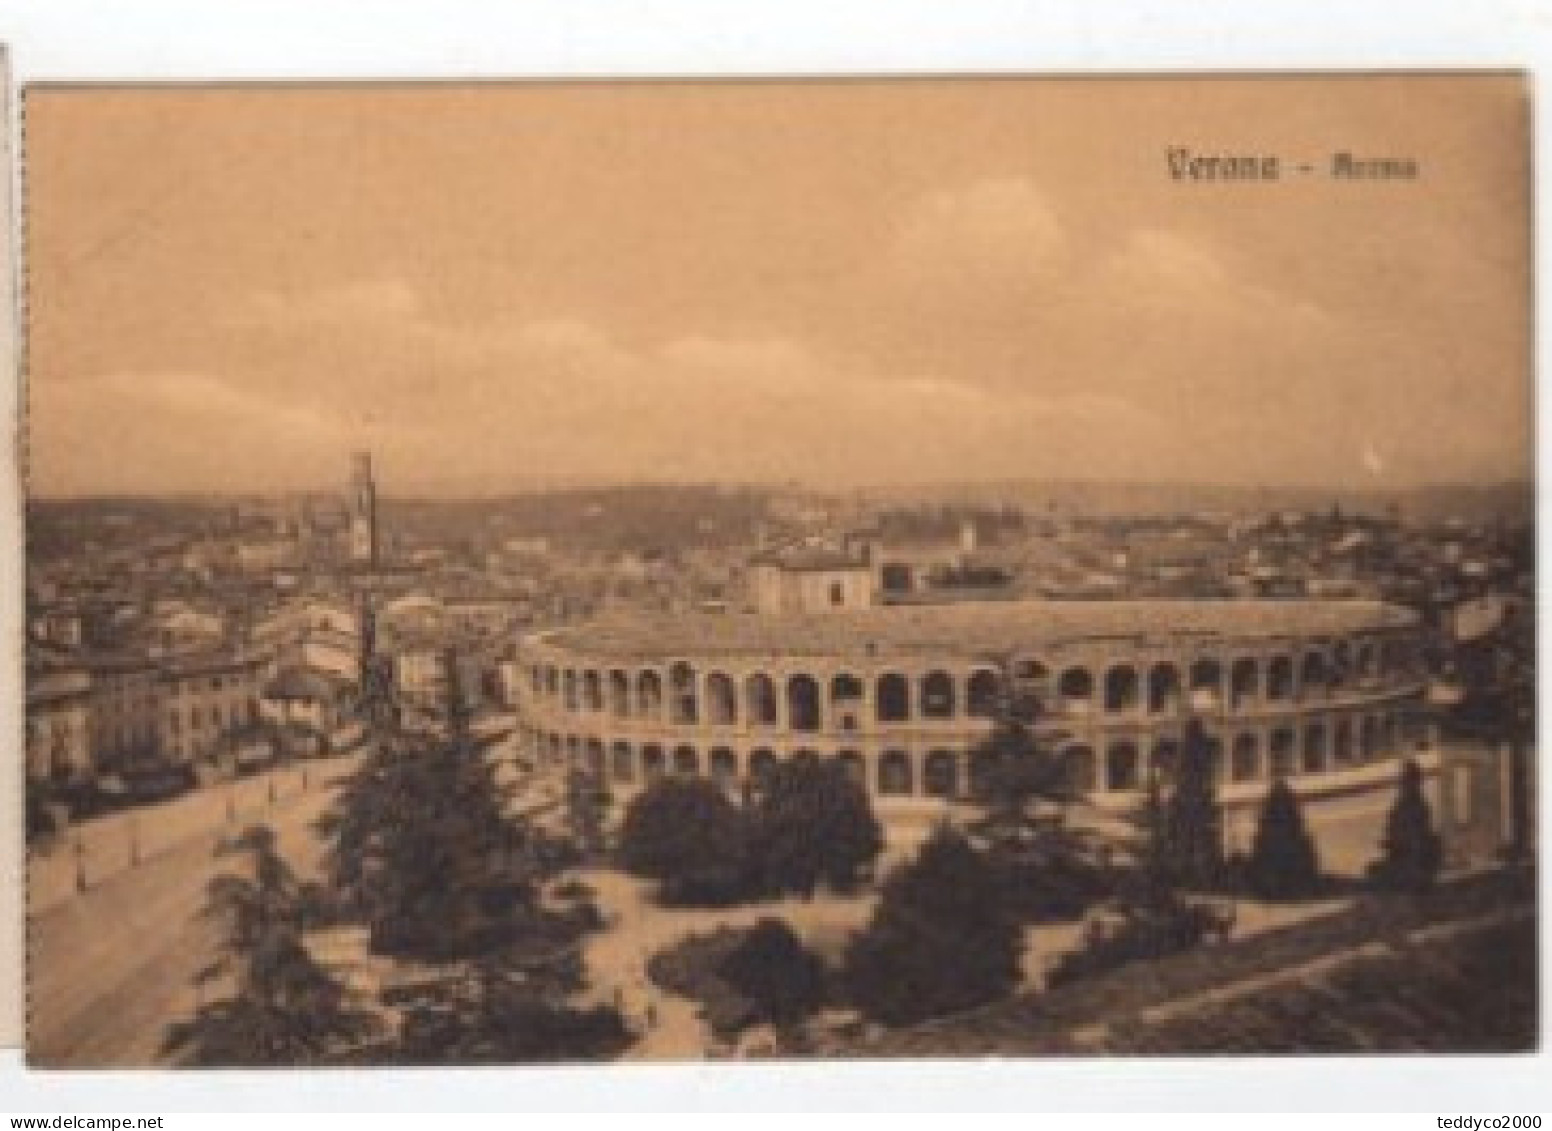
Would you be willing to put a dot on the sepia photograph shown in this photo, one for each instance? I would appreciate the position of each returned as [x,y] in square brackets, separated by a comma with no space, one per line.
[808,569]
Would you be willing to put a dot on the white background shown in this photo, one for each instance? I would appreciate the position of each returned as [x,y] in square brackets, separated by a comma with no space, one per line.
[289,39]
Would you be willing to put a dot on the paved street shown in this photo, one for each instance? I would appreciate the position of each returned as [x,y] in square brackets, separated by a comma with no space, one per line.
[112,966]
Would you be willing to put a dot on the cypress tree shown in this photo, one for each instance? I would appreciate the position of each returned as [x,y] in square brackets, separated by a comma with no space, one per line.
[1191,834]
[1283,863]
[1410,851]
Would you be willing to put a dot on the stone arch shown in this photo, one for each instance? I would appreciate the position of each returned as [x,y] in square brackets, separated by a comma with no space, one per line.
[1082,769]
[592,690]
[1368,739]
[1244,682]
[1164,760]
[846,689]
[856,769]
[687,761]
[1122,689]
[1207,684]
[1342,743]
[1313,760]
[847,693]
[1163,689]
[893,701]
[1245,757]
[1076,689]
[983,691]
[721,700]
[623,762]
[1279,679]
[1283,753]
[723,764]
[762,761]
[940,773]
[760,700]
[619,694]
[894,774]
[684,704]
[937,695]
[1314,675]
[653,764]
[803,708]
[649,693]
[1122,769]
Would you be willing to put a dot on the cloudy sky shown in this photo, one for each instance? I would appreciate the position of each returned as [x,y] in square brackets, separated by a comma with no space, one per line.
[861,282]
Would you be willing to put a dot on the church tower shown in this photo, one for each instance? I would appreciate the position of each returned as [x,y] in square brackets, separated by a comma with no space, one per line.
[363,511]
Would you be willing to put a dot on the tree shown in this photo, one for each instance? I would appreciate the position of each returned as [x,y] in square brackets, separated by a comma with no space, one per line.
[812,822]
[686,834]
[1283,863]
[1025,789]
[1191,841]
[422,849]
[498,1019]
[940,940]
[1410,852]
[771,967]
[285,1010]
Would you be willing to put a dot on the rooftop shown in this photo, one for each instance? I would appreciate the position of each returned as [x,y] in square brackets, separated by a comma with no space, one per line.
[980,627]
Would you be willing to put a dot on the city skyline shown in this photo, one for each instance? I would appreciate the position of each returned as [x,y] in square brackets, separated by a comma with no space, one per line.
[860,284]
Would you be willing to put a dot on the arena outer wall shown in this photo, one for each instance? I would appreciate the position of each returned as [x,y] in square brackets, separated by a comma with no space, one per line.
[1326,695]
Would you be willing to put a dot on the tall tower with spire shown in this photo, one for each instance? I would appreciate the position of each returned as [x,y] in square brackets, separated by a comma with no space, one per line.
[363,511]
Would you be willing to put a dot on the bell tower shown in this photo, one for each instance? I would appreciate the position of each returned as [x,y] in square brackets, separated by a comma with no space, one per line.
[363,510]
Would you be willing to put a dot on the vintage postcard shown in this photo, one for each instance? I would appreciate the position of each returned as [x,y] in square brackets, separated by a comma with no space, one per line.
[536,572]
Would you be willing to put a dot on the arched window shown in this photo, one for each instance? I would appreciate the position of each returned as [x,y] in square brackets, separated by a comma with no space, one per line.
[1076,688]
[619,694]
[652,762]
[595,757]
[1244,683]
[1121,689]
[1082,773]
[851,761]
[687,763]
[1368,661]
[1284,753]
[649,694]
[681,682]
[592,691]
[845,689]
[894,698]
[1207,685]
[1314,758]
[803,703]
[1246,764]
[1369,739]
[1279,679]
[721,705]
[940,774]
[551,682]
[1121,769]
[1166,760]
[624,762]
[760,700]
[1342,744]
[937,695]
[761,764]
[894,773]
[569,686]
[981,694]
[1314,676]
[1164,689]
[724,764]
